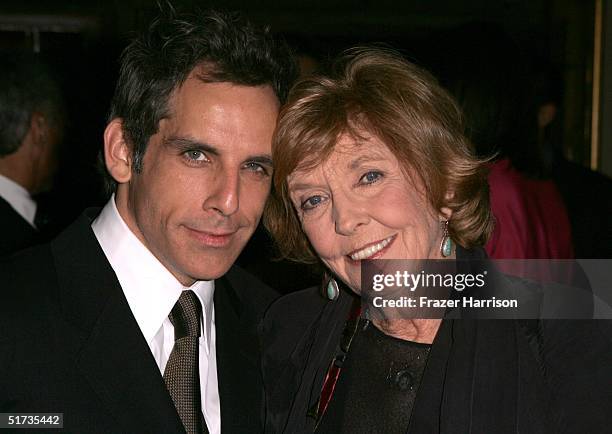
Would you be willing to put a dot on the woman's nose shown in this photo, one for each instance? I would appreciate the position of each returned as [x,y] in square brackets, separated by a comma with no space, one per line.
[348,215]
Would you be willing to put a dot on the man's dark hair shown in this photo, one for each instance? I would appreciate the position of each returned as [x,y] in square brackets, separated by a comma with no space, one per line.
[26,86]
[159,61]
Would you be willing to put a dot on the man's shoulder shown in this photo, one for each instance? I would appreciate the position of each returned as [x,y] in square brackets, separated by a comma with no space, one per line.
[28,289]
[15,232]
[32,276]
[28,268]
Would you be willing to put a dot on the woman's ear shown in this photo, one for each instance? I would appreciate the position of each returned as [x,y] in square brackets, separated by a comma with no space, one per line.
[117,154]
[445,212]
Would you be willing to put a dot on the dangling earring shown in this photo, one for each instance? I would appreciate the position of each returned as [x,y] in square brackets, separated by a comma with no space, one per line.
[446,246]
[331,291]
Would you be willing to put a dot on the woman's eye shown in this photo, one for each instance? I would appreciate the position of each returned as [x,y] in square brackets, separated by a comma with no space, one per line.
[370,177]
[311,202]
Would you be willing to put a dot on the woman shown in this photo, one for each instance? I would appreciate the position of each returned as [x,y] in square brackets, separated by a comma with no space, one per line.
[371,163]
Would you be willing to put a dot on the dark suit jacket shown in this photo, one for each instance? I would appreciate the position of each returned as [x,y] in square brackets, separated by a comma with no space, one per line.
[482,376]
[69,343]
[15,233]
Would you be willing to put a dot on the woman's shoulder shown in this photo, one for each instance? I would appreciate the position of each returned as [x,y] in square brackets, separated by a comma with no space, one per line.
[295,311]
[286,335]
[293,320]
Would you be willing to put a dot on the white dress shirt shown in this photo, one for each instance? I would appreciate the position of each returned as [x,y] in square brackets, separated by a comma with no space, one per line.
[152,291]
[19,198]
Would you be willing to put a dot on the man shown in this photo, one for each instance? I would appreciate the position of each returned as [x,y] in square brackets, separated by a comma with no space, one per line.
[135,320]
[31,124]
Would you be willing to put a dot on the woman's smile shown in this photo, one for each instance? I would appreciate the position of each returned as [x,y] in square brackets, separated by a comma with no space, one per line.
[373,250]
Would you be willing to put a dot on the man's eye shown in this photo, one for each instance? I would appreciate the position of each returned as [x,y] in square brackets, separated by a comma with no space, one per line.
[370,177]
[195,156]
[257,168]
[311,202]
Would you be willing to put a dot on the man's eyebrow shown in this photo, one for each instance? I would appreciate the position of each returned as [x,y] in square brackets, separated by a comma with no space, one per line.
[188,144]
[261,159]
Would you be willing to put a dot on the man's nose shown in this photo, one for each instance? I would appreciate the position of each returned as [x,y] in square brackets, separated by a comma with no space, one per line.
[224,194]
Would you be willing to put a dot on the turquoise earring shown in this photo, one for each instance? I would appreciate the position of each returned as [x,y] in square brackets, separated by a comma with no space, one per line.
[446,246]
[331,289]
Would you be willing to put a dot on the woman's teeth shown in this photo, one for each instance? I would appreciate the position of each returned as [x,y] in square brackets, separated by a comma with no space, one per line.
[371,250]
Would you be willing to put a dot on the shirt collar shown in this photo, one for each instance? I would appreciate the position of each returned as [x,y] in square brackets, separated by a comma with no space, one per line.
[19,198]
[150,289]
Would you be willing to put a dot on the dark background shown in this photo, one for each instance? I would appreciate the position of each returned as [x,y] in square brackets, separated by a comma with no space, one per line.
[83,39]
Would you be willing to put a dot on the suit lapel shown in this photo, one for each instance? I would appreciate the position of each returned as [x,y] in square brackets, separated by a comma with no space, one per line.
[115,358]
[17,233]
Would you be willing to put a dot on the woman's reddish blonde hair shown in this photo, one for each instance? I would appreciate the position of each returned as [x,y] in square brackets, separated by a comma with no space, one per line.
[377,91]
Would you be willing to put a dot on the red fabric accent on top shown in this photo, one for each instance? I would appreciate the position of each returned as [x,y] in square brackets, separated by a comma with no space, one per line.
[531,219]
[331,379]
[328,388]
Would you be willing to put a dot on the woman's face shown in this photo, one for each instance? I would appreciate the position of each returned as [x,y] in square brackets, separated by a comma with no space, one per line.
[359,205]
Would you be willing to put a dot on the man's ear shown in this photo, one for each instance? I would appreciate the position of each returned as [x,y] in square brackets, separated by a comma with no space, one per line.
[39,128]
[117,154]
[38,134]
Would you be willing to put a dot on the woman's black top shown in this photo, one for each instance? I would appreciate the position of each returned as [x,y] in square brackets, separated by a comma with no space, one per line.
[377,386]
[481,376]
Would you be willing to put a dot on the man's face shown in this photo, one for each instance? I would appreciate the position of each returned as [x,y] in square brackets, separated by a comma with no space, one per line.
[205,178]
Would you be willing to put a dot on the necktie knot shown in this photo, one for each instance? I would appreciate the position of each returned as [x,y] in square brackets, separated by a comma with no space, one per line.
[185,315]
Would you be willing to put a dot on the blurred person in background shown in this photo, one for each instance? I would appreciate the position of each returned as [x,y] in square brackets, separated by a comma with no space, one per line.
[585,192]
[31,130]
[490,78]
